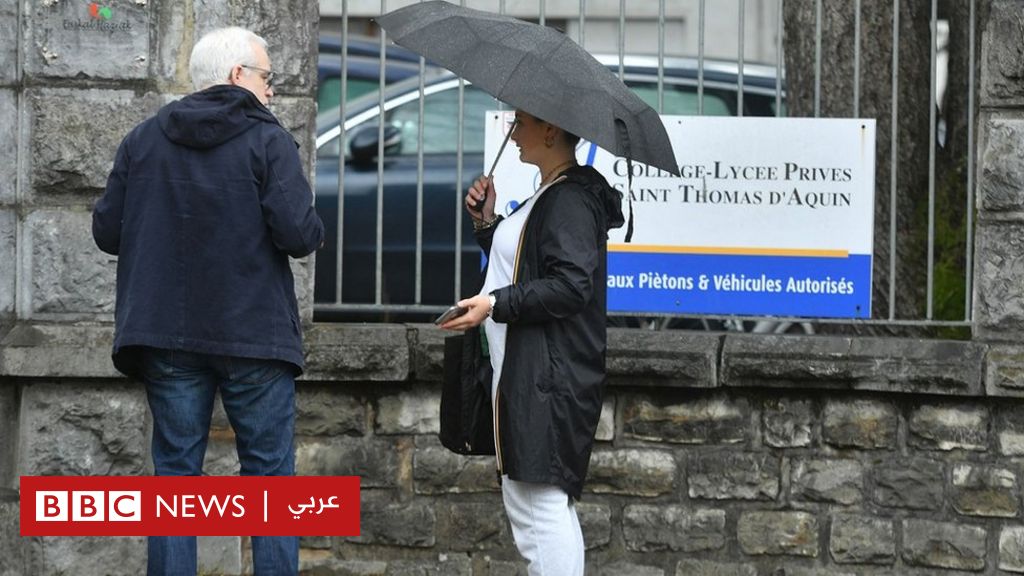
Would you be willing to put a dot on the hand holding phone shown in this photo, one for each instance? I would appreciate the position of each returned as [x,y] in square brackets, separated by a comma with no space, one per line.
[450,313]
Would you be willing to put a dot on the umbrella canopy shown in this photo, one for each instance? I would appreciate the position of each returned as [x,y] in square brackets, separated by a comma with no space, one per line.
[538,70]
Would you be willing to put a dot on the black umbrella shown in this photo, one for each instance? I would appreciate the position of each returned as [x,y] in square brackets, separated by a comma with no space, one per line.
[538,70]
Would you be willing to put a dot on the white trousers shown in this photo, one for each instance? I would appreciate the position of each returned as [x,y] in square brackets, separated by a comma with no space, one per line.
[545,527]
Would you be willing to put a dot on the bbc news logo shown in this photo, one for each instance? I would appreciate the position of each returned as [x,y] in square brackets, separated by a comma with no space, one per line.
[190,505]
[89,506]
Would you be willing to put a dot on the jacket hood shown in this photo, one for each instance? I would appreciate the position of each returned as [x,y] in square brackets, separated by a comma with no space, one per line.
[213,116]
[610,198]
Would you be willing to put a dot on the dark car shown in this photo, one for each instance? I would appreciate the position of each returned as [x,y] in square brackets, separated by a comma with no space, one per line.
[363,71]
[442,188]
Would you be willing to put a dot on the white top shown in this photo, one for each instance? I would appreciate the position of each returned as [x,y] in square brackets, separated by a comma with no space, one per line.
[500,269]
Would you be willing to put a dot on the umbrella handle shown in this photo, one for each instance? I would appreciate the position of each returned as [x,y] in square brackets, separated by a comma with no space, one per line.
[502,149]
[478,206]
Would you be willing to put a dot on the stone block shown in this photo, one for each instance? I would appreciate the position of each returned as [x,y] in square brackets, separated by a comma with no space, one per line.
[943,545]
[652,528]
[75,136]
[673,358]
[860,423]
[427,354]
[686,419]
[619,568]
[707,568]
[505,568]
[606,423]
[998,269]
[220,555]
[8,262]
[8,433]
[985,491]
[413,412]
[789,570]
[15,549]
[1001,166]
[862,540]
[375,460]
[107,555]
[477,526]
[69,275]
[289,27]
[1009,429]
[1002,71]
[323,410]
[331,566]
[9,140]
[631,471]
[787,423]
[596,524]
[69,40]
[1011,549]
[778,533]
[445,565]
[949,427]
[340,352]
[410,524]
[436,470]
[861,363]
[909,483]
[824,480]
[221,455]
[1004,371]
[9,22]
[58,350]
[724,475]
[72,429]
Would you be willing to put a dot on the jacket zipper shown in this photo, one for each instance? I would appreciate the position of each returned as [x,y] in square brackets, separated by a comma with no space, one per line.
[497,391]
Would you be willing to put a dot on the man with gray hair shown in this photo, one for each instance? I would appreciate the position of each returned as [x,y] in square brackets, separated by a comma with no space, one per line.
[204,205]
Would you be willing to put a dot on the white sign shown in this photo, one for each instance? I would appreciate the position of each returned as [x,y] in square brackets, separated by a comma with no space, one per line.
[771,216]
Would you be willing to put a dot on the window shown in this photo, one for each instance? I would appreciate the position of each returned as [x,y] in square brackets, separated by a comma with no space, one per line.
[440,122]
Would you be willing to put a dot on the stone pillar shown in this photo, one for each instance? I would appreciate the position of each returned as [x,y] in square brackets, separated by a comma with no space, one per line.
[82,76]
[999,236]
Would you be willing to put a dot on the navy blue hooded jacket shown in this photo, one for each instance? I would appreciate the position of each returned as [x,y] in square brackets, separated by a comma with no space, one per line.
[206,202]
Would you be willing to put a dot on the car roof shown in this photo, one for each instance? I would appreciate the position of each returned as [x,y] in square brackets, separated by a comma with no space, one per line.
[718,74]
[366,67]
[360,45]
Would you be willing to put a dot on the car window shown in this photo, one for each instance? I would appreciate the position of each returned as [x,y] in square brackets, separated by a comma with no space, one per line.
[328,94]
[440,121]
[682,100]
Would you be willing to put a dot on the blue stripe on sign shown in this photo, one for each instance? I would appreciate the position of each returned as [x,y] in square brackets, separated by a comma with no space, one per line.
[821,287]
[591,154]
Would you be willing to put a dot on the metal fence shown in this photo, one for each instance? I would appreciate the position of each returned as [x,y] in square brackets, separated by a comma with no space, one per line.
[382,306]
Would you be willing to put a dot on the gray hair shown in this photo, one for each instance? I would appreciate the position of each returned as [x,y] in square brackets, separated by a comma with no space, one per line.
[219,51]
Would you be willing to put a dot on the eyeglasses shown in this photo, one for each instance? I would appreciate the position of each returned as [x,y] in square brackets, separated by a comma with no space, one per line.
[268,76]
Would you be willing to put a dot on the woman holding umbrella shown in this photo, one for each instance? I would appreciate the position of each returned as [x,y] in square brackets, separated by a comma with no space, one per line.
[543,311]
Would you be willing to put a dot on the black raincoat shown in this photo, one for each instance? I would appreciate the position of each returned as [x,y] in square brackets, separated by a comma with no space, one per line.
[550,393]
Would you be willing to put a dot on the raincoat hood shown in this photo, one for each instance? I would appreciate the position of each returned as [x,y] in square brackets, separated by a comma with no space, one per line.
[595,183]
[210,117]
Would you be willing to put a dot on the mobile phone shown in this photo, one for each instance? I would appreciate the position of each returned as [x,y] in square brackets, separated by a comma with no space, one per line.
[453,312]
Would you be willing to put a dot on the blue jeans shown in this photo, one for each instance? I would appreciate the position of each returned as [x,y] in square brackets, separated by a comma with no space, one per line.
[259,398]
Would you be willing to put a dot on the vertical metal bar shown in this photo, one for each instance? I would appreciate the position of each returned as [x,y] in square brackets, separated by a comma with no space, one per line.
[700,60]
[457,291]
[622,40]
[583,20]
[893,156]
[379,260]
[661,57]
[339,243]
[778,63]
[739,91]
[543,12]
[969,263]
[22,264]
[932,88]
[856,58]
[817,60]
[420,121]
